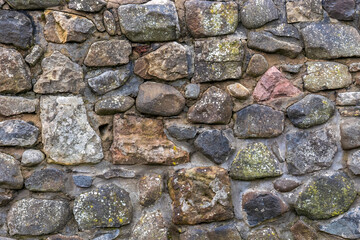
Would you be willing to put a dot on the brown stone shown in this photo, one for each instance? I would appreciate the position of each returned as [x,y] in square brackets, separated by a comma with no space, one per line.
[150,188]
[257,65]
[6,195]
[169,63]
[340,9]
[304,11]
[286,185]
[200,194]
[143,141]
[237,90]
[302,231]
[63,237]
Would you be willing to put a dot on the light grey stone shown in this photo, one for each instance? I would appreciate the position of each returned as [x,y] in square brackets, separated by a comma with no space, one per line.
[32,157]
[10,106]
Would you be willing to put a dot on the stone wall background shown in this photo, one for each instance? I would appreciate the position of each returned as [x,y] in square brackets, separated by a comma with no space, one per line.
[179,119]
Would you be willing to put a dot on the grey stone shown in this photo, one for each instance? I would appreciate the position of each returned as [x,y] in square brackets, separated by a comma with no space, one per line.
[182,132]
[192,91]
[46,180]
[137,21]
[350,133]
[256,13]
[266,233]
[34,56]
[354,162]
[257,65]
[209,232]
[328,41]
[67,135]
[340,9]
[6,195]
[109,235]
[159,99]
[60,75]
[18,133]
[10,106]
[109,22]
[32,157]
[151,226]
[119,173]
[16,29]
[87,5]
[107,206]
[33,4]
[284,30]
[310,111]
[130,88]
[309,151]
[214,144]
[10,173]
[113,105]
[36,217]
[291,68]
[258,121]
[304,11]
[348,99]
[82,181]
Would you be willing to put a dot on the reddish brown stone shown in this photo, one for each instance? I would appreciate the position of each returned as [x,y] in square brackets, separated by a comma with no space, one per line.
[150,188]
[302,231]
[200,194]
[272,85]
[140,140]
[285,185]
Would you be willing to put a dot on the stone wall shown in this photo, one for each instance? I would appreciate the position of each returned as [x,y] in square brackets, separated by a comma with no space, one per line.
[183,120]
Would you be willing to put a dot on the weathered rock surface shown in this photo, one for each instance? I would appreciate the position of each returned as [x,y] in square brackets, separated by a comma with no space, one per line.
[254,162]
[82,181]
[310,111]
[64,27]
[340,9]
[46,180]
[169,63]
[32,157]
[18,133]
[108,53]
[237,90]
[14,74]
[16,29]
[60,75]
[260,206]
[256,13]
[214,107]
[291,68]
[354,162]
[192,91]
[326,196]
[119,173]
[67,135]
[34,217]
[304,11]
[309,151]
[10,173]
[257,121]
[137,21]
[328,41]
[87,5]
[302,231]
[350,133]
[107,206]
[348,99]
[207,18]
[218,59]
[34,56]
[326,75]
[150,188]
[272,85]
[142,141]
[33,4]
[151,226]
[63,237]
[257,65]
[285,184]
[159,99]
[207,185]
[109,23]
[182,132]
[113,105]
[267,233]
[354,67]
[10,106]
[206,232]
[6,195]
[215,145]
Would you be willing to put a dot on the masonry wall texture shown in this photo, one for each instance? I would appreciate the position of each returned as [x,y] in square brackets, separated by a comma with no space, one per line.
[180,119]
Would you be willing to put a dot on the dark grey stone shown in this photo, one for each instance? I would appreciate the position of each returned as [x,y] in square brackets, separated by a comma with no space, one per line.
[10,172]
[284,30]
[119,173]
[33,4]
[340,9]
[82,181]
[46,180]
[109,235]
[87,5]
[255,14]
[130,88]
[18,133]
[182,132]
[291,68]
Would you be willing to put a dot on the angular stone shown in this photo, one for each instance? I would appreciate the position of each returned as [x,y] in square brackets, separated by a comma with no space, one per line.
[10,106]
[285,184]
[10,172]
[310,111]
[60,75]
[18,133]
[63,27]
[32,157]
[309,151]
[109,22]
[67,135]
[192,91]
[350,133]
[326,75]
[218,59]
[159,99]
[113,105]
[346,226]
[302,231]
[348,99]
[87,5]
[108,53]
[182,132]
[283,30]
[33,4]
[16,29]
[215,145]
[35,217]
[143,141]
[260,206]
[209,186]
[46,180]
[214,107]
[257,65]
[304,11]
[119,173]
[14,73]
[272,85]
[256,13]
[340,9]
[137,21]
[237,90]
[6,195]
[150,188]
[151,226]
[291,68]
[209,232]
[207,18]
[169,63]
[130,88]
[254,162]
[107,206]
[266,233]
[34,56]
[257,121]
[82,181]
[328,41]
[325,196]
[268,42]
